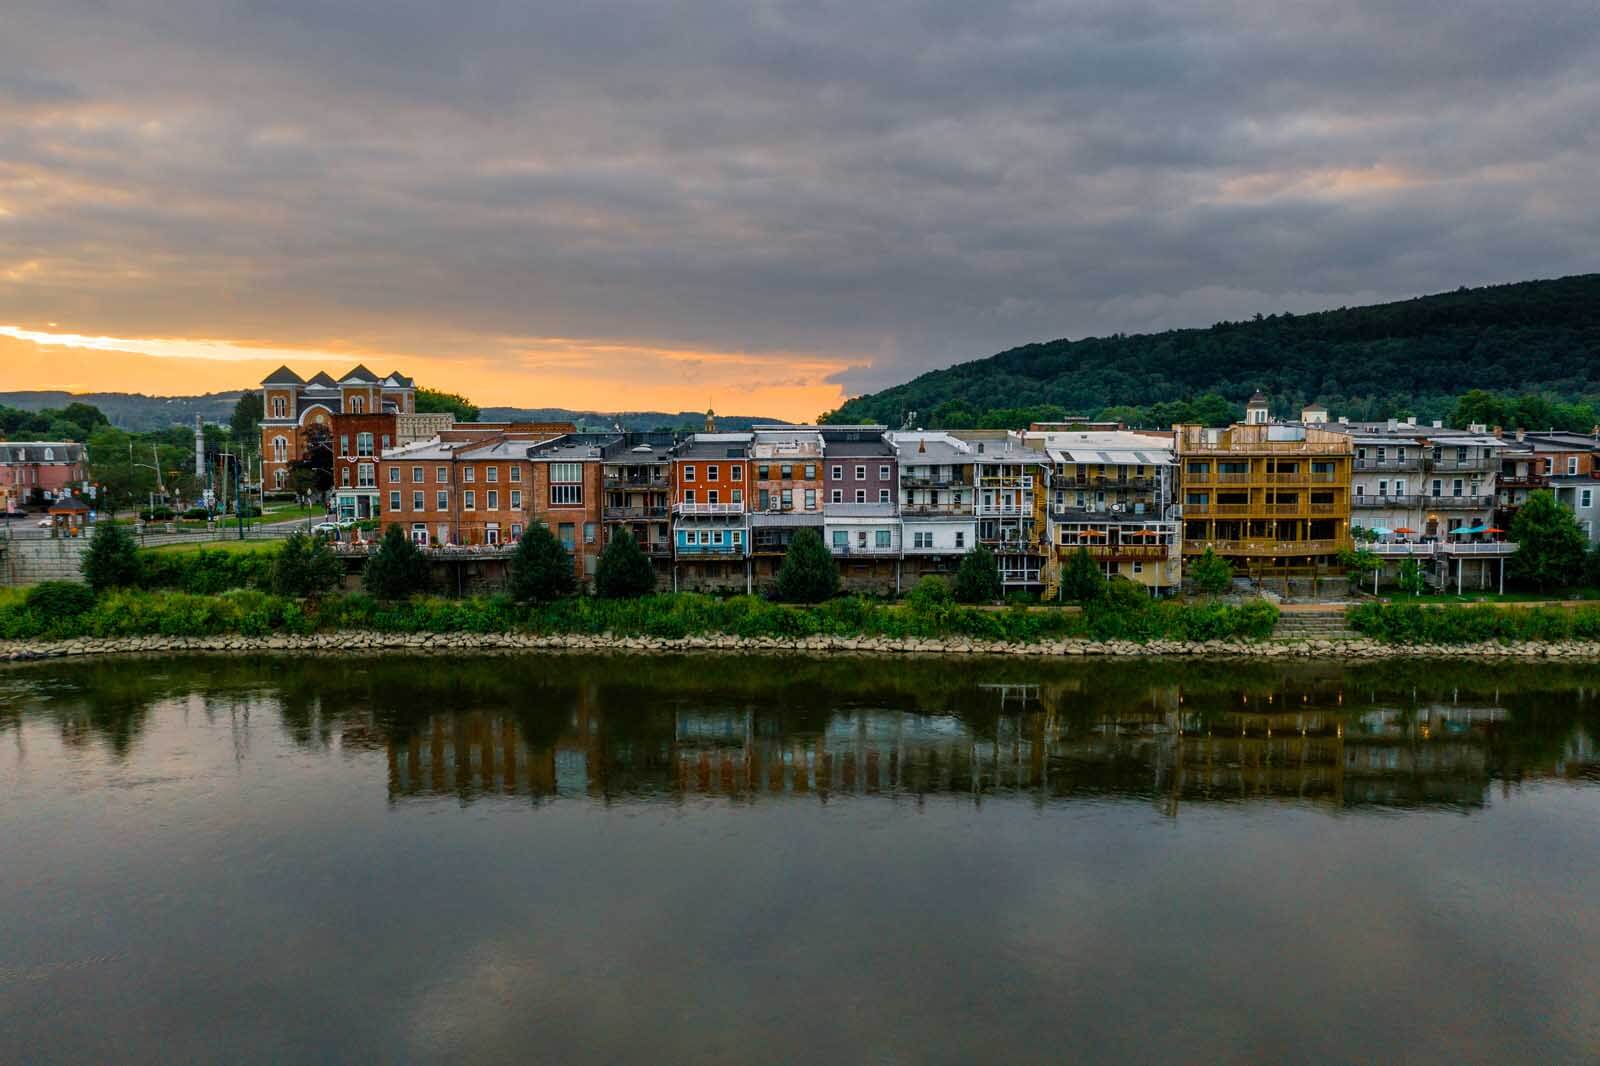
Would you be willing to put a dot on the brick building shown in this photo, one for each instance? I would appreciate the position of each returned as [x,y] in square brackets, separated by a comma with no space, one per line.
[296,411]
[709,508]
[40,471]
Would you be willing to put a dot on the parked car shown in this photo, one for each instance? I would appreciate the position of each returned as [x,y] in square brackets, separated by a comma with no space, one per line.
[326,529]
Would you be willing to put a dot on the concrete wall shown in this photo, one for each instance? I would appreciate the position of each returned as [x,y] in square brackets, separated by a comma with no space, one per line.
[30,560]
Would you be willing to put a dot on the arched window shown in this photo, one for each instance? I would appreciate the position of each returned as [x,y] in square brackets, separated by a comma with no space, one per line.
[280,450]
[49,455]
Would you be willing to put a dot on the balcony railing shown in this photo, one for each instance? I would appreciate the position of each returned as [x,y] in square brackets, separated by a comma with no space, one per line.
[657,548]
[1411,463]
[843,551]
[1480,463]
[1020,577]
[1453,503]
[708,509]
[703,550]
[1396,548]
[999,510]
[931,481]
[936,509]
[1492,547]
[1386,500]
[1124,552]
[1060,481]
[1523,481]
[624,481]
[1264,548]
[634,514]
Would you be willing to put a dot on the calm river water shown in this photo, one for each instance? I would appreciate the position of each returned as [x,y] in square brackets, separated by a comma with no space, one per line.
[777,860]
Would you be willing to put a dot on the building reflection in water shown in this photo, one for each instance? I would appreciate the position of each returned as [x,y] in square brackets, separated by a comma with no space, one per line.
[1047,742]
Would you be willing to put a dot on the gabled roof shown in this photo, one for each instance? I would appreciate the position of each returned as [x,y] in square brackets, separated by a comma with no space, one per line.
[321,378]
[359,374]
[283,376]
[398,380]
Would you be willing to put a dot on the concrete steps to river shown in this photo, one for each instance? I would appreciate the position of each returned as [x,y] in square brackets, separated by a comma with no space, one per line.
[1327,624]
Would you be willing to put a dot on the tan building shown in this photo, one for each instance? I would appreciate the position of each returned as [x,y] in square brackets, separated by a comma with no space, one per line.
[1271,497]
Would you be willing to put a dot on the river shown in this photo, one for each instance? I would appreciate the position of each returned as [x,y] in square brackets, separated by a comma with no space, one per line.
[699,859]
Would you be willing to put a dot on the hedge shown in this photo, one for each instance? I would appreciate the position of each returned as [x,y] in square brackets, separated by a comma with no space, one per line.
[1400,623]
[133,612]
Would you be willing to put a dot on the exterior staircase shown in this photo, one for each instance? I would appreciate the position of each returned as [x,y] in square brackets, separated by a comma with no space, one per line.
[1319,624]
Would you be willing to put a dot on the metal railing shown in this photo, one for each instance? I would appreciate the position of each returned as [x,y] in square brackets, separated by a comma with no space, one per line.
[844,551]
[997,510]
[632,514]
[621,481]
[1264,547]
[1386,500]
[1389,464]
[1450,503]
[708,508]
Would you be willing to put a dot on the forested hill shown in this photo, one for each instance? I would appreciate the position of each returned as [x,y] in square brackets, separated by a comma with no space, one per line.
[1413,356]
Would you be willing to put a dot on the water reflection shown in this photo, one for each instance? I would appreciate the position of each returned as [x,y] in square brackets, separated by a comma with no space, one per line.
[1394,735]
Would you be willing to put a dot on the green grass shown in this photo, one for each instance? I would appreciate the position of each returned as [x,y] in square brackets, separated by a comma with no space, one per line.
[290,514]
[1469,596]
[262,546]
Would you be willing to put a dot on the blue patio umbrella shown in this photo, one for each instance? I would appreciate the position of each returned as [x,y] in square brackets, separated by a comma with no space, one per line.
[1382,531]
[1464,530]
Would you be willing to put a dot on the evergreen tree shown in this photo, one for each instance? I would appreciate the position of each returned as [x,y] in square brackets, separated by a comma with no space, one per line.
[1211,574]
[112,560]
[541,569]
[808,573]
[306,566]
[246,419]
[1550,544]
[624,572]
[978,579]
[397,570]
[1082,580]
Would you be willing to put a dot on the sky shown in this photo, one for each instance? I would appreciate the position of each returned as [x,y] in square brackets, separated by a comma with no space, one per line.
[763,206]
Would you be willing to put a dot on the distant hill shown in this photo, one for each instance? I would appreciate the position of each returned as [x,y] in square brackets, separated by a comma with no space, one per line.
[1414,355]
[133,410]
[628,420]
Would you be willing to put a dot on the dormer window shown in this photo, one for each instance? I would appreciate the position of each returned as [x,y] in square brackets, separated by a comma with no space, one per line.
[357,405]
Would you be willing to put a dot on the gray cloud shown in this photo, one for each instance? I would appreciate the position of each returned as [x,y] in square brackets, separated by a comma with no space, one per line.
[899,185]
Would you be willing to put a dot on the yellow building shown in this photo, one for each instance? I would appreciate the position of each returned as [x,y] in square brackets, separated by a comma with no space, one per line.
[1272,498]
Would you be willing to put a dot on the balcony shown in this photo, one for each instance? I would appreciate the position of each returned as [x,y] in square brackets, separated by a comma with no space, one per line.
[657,549]
[710,551]
[870,551]
[708,510]
[1412,463]
[1523,481]
[964,509]
[1107,483]
[1119,553]
[1482,462]
[1386,500]
[999,510]
[911,481]
[1028,576]
[630,481]
[1457,503]
[1227,510]
[1491,548]
[1397,549]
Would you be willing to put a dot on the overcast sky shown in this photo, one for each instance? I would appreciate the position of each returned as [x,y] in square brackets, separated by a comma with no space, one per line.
[767,205]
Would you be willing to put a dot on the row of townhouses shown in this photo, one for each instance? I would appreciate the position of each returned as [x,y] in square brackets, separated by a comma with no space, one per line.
[718,510]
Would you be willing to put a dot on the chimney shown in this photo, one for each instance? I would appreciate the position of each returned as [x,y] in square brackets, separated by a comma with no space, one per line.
[1411,420]
[1521,434]
[1393,424]
[922,445]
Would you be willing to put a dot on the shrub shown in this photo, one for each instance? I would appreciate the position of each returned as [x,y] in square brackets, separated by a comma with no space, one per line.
[808,573]
[205,571]
[112,560]
[1409,623]
[541,569]
[931,595]
[1211,574]
[1081,580]
[306,566]
[1411,578]
[978,579]
[1550,544]
[624,572]
[397,570]
[59,599]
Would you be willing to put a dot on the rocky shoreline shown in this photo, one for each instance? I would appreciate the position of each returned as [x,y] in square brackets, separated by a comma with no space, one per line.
[362,642]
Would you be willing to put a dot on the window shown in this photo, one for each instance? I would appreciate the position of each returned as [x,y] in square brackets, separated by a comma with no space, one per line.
[469,500]
[763,500]
[394,475]
[737,472]
[344,444]
[688,473]
[588,532]
[366,475]
[416,475]
[922,540]
[491,534]
[516,531]
[363,444]
[357,405]
[516,474]
[787,499]
[1586,498]
[763,472]
[861,495]
[279,407]
[736,537]
[344,476]
[280,450]
[713,496]
[836,496]
[811,471]
[738,495]
[1138,568]
[883,495]
[1572,464]
[837,473]
[811,499]
[386,442]
[883,538]
[861,473]
[419,500]
[419,535]
[841,538]
[491,500]
[566,484]
[441,475]
[278,478]
[883,473]
[469,474]
[716,536]
[712,471]
[441,500]
[786,471]
[961,539]
[394,500]
[1455,487]
[491,474]
[516,499]
[1438,487]
[564,533]
[688,497]
[861,538]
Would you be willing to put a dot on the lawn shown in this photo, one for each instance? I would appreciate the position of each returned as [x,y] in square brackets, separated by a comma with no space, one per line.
[293,513]
[1554,596]
[264,546]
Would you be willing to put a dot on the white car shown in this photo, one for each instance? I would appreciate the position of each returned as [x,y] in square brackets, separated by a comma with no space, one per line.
[326,529]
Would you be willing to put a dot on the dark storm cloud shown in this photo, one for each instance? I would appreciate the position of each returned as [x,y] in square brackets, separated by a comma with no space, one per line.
[902,184]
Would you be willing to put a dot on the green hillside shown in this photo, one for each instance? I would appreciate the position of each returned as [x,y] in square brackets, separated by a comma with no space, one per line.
[1411,357]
